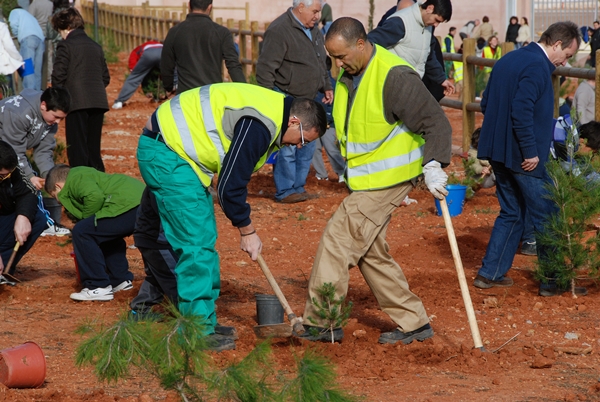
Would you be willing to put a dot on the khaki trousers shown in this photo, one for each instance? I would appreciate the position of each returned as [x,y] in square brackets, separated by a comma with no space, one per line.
[355,236]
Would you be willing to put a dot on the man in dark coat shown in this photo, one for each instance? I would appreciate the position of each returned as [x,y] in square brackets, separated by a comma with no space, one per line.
[197,47]
[518,104]
[20,218]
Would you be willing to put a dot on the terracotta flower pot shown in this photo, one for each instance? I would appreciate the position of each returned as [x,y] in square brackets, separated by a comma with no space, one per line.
[23,366]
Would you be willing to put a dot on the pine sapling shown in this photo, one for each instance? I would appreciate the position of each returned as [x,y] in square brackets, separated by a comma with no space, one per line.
[329,309]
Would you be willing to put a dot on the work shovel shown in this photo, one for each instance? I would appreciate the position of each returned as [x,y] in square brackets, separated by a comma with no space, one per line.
[7,278]
[278,330]
[462,280]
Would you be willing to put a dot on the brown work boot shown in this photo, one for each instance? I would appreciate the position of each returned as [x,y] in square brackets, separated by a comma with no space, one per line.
[293,198]
[484,283]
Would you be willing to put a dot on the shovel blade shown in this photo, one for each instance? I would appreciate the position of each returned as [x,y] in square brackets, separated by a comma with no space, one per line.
[273,331]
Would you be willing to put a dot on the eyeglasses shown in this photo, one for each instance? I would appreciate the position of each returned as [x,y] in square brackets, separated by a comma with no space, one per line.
[6,176]
[303,143]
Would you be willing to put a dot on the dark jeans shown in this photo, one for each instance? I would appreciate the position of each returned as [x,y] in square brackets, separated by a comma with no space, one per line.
[7,237]
[100,249]
[515,191]
[160,280]
[83,130]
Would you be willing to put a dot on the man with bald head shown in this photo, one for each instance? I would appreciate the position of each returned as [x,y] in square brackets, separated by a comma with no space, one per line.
[390,131]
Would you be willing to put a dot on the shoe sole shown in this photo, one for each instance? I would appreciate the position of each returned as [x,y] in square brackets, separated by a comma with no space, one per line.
[482,285]
[128,287]
[528,253]
[549,293]
[100,298]
[53,234]
[420,336]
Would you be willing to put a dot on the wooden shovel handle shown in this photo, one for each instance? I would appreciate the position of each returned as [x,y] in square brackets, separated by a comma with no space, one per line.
[11,259]
[462,280]
[294,320]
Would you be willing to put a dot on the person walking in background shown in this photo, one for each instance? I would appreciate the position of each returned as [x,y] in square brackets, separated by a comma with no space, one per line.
[485,30]
[467,30]
[31,43]
[42,11]
[449,48]
[524,34]
[584,101]
[408,34]
[81,68]
[326,17]
[512,31]
[10,58]
[594,44]
[142,60]
[197,48]
[518,106]
[293,61]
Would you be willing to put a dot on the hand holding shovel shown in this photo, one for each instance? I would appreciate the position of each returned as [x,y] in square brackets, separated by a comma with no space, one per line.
[6,277]
[278,330]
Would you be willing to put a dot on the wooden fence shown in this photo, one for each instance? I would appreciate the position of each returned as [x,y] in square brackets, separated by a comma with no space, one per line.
[131,26]
[469,106]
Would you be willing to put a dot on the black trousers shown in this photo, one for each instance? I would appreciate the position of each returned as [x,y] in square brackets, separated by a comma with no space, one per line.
[160,281]
[83,130]
[100,249]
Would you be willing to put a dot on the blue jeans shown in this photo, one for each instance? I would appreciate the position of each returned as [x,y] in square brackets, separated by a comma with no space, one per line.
[515,191]
[291,169]
[33,47]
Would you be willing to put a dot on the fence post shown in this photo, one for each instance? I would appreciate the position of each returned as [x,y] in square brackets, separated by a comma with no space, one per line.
[556,88]
[243,46]
[247,13]
[468,93]
[254,47]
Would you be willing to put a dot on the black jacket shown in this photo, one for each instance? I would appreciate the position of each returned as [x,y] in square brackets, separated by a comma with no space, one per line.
[512,32]
[197,47]
[80,67]
[17,196]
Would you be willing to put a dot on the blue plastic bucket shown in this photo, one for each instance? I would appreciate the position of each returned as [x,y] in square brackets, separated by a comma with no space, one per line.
[272,158]
[455,199]
[27,68]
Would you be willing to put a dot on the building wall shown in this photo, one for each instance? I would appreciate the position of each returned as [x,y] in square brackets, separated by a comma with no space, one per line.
[268,10]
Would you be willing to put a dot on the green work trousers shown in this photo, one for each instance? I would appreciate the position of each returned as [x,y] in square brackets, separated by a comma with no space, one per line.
[355,236]
[188,218]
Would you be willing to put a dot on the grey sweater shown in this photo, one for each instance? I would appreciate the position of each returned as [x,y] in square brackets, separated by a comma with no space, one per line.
[290,61]
[23,127]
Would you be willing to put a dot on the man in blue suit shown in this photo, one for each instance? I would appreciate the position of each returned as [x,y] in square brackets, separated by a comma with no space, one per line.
[518,106]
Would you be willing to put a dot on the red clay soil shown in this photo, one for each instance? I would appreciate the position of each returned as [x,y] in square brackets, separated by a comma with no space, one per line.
[443,368]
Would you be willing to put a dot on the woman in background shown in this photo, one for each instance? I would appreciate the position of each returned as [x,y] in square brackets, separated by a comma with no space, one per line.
[524,34]
[10,58]
[80,67]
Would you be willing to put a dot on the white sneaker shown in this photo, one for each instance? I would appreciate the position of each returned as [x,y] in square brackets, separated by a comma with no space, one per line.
[341,179]
[322,178]
[126,285]
[117,105]
[98,294]
[55,230]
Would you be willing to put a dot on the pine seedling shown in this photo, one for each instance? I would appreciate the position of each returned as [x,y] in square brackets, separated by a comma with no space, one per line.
[112,349]
[315,381]
[329,309]
[574,193]
[246,380]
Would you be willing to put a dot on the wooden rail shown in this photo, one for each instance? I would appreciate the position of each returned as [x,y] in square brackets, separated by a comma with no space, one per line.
[131,26]
[469,106]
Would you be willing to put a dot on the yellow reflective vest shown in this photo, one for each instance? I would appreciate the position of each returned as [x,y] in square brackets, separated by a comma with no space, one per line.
[458,71]
[487,54]
[199,124]
[378,154]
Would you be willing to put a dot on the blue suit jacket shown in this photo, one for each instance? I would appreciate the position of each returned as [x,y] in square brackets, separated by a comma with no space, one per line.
[518,105]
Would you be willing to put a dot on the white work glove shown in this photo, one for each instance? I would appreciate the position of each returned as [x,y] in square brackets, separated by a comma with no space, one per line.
[435,179]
